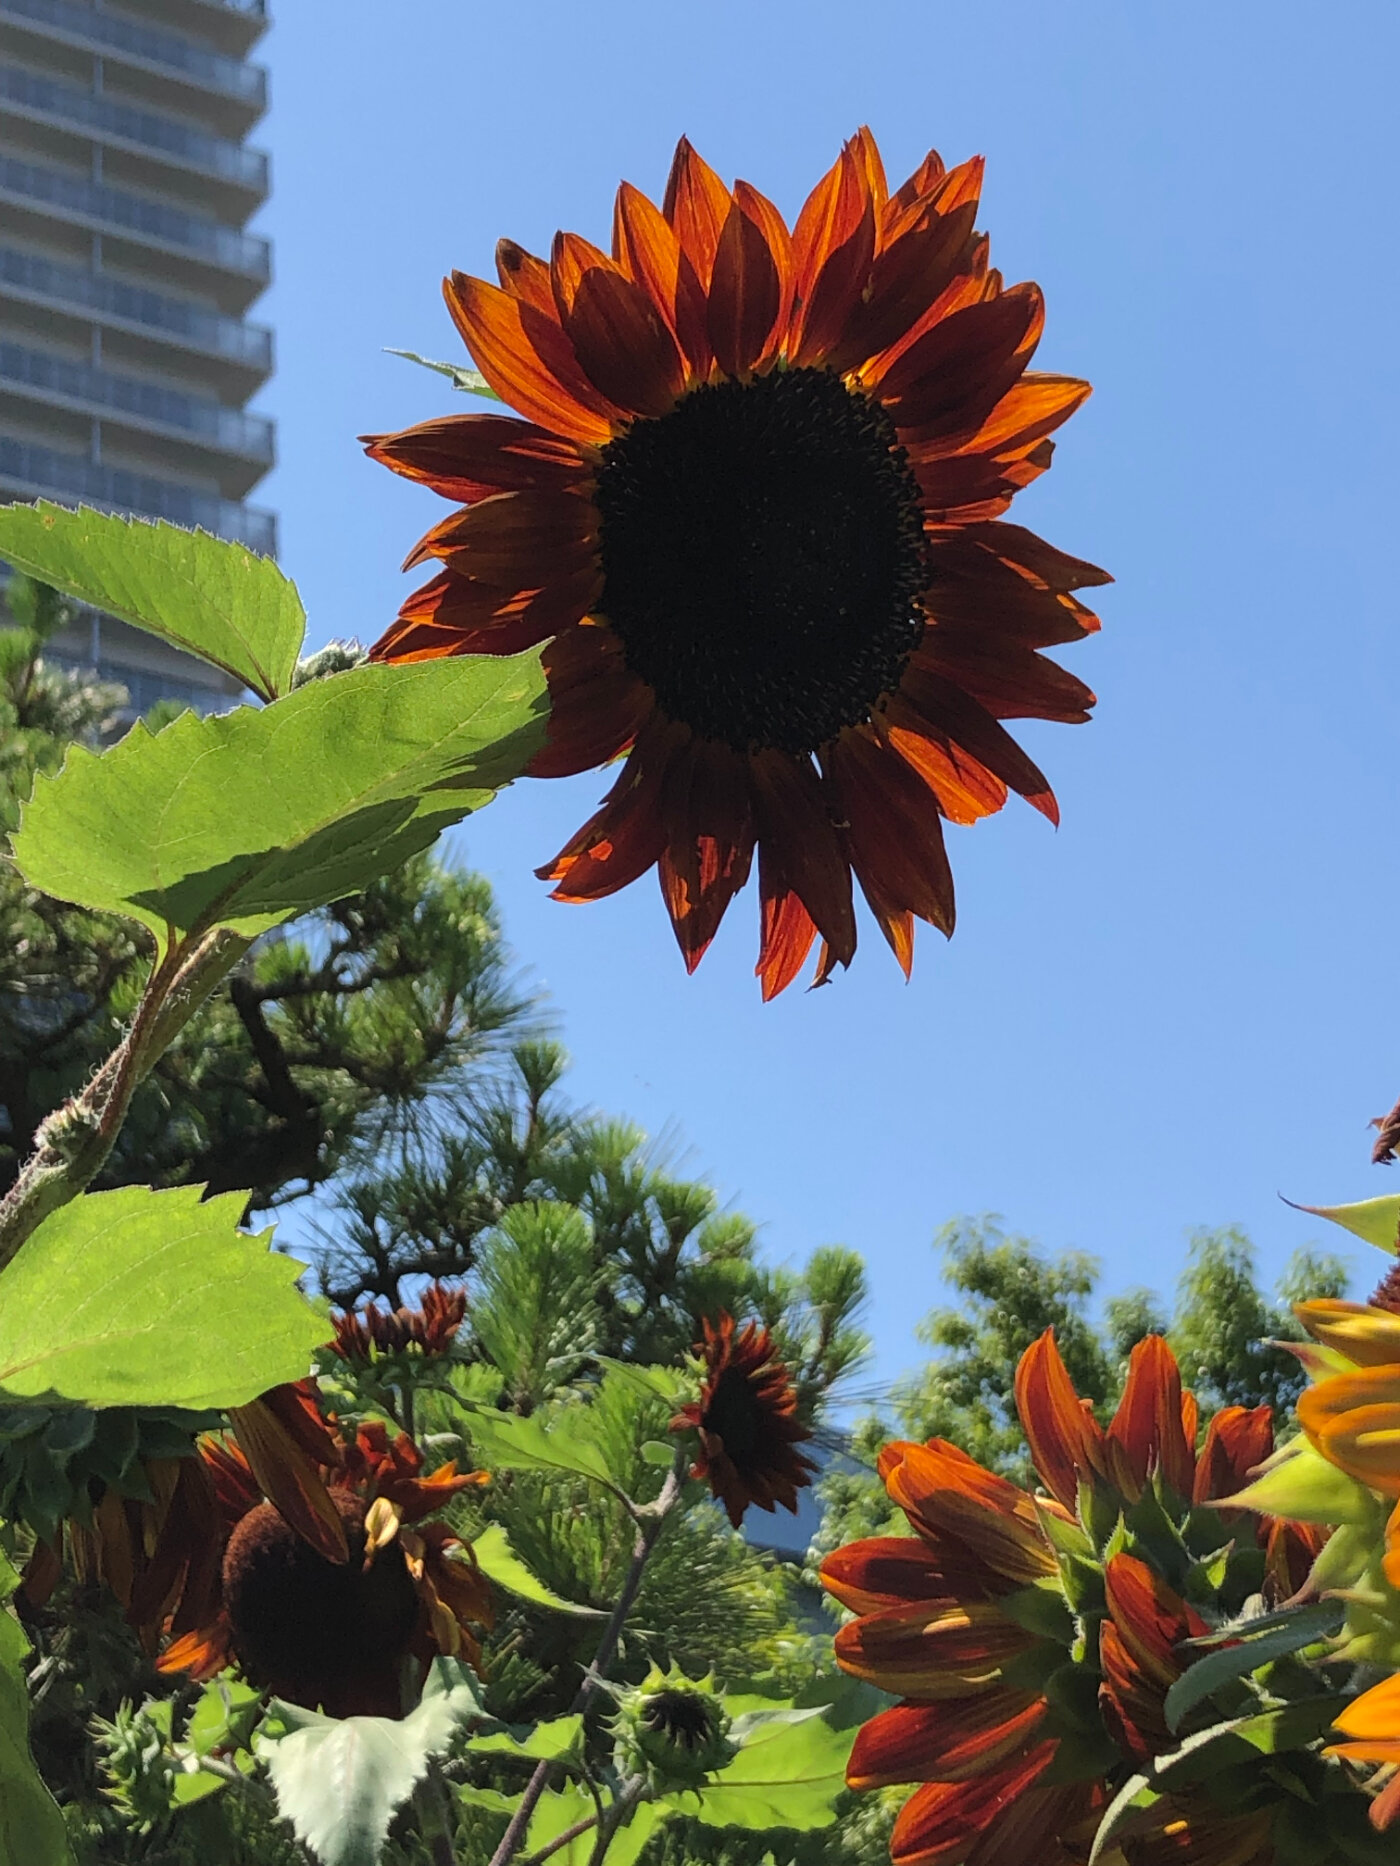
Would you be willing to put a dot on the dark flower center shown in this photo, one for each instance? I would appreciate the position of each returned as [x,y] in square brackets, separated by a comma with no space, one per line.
[736,1415]
[681,1717]
[315,1632]
[763,556]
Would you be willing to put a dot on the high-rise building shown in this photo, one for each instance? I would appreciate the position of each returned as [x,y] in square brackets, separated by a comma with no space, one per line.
[126,363]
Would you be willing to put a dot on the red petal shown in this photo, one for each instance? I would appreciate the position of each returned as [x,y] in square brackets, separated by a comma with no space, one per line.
[966,791]
[1012,682]
[905,279]
[954,375]
[895,836]
[646,247]
[745,293]
[623,343]
[946,1823]
[924,179]
[596,704]
[786,932]
[468,457]
[1066,1441]
[948,1742]
[832,267]
[1237,1439]
[973,589]
[453,615]
[883,1571]
[528,361]
[1148,1422]
[623,839]
[515,540]
[800,848]
[708,809]
[289,1477]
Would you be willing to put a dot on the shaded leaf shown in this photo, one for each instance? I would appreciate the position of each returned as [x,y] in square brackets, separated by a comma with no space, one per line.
[243,820]
[500,1563]
[341,1781]
[217,600]
[1322,1620]
[31,1827]
[144,1298]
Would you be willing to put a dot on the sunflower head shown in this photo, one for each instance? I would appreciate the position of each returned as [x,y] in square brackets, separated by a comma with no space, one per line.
[671,1730]
[756,501]
[363,1334]
[350,1635]
[746,1420]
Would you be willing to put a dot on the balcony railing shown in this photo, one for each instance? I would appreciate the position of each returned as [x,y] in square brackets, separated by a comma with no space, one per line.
[42,471]
[229,76]
[248,436]
[133,304]
[213,155]
[192,234]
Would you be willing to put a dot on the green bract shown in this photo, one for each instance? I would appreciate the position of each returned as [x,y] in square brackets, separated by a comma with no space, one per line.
[243,820]
[218,600]
[31,1827]
[151,1298]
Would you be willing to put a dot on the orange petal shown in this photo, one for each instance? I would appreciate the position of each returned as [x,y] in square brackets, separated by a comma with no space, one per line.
[906,278]
[525,277]
[786,932]
[951,711]
[1354,1421]
[950,380]
[948,1742]
[924,179]
[998,1819]
[201,1654]
[646,247]
[1237,1439]
[966,790]
[597,705]
[1148,1422]
[528,361]
[832,269]
[696,205]
[1066,1441]
[948,1496]
[915,1650]
[883,1571]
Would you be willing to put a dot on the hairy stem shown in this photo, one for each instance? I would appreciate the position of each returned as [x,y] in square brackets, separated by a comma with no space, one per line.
[73,1143]
[650,1523]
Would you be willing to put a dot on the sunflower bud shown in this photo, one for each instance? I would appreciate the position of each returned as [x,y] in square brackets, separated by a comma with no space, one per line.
[672,1730]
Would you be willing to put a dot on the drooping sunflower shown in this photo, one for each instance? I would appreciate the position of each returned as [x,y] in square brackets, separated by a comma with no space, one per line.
[344,1636]
[746,1418]
[756,499]
[1032,1662]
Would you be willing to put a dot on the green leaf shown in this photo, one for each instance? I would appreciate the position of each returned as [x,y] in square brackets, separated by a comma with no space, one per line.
[786,1775]
[557,1441]
[243,820]
[142,1298]
[224,1716]
[499,1562]
[469,381]
[1305,1627]
[545,1742]
[340,1781]
[218,600]
[1300,1482]
[1375,1220]
[31,1827]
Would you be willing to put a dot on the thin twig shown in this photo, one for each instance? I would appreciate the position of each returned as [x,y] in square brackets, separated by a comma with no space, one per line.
[651,1520]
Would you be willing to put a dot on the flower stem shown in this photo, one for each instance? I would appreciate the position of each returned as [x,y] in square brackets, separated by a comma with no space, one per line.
[649,1525]
[74,1142]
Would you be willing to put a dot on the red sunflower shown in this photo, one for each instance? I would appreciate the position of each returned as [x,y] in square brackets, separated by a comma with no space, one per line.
[747,1420]
[756,500]
[242,1586]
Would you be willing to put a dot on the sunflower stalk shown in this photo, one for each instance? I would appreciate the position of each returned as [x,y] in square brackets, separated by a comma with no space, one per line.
[73,1144]
[650,1520]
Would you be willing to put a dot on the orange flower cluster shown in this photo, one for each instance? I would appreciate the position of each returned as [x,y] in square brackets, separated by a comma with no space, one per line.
[757,502]
[1031,1658]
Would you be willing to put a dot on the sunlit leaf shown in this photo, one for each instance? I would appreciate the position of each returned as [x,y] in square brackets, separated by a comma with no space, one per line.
[1376,1220]
[340,1781]
[500,1563]
[469,381]
[545,1742]
[218,600]
[559,1441]
[1302,1483]
[786,1775]
[243,820]
[144,1298]
[1304,1627]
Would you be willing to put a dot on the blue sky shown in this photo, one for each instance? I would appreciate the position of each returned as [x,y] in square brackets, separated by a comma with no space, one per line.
[1181,1003]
